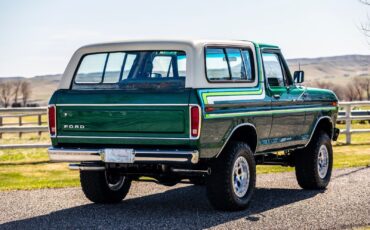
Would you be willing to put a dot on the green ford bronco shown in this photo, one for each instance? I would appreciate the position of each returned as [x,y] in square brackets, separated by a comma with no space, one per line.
[202,112]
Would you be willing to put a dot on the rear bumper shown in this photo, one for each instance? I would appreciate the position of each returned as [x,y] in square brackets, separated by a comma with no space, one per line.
[140,156]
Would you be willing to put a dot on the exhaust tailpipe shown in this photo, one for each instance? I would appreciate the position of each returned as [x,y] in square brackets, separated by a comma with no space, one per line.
[192,171]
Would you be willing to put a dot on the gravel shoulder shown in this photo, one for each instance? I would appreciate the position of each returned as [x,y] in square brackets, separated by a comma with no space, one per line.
[278,203]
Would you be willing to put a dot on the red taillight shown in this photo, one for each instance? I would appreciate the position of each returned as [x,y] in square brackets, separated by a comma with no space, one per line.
[195,121]
[52,120]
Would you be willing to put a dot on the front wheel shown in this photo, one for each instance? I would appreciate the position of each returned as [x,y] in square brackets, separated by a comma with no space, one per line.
[104,187]
[314,163]
[233,177]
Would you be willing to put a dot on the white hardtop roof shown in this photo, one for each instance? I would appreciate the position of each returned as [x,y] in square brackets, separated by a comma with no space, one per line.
[194,49]
[156,42]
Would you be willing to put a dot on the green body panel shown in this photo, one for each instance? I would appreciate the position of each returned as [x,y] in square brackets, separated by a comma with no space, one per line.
[283,123]
[288,125]
[118,117]
[160,119]
[266,46]
[315,98]
[278,125]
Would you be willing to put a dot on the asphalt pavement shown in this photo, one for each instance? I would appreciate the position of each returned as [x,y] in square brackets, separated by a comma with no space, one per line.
[278,203]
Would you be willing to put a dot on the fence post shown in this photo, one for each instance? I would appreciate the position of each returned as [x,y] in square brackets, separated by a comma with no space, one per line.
[348,124]
[40,123]
[20,124]
[1,124]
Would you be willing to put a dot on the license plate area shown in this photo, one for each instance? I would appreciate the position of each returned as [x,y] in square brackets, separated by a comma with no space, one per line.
[119,155]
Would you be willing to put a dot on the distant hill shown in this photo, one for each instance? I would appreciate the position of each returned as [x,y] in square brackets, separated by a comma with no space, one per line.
[340,69]
[42,86]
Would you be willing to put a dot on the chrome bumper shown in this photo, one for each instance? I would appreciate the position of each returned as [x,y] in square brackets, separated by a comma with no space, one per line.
[141,156]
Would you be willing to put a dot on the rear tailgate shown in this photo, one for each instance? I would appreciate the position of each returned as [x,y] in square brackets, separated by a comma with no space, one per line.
[119,117]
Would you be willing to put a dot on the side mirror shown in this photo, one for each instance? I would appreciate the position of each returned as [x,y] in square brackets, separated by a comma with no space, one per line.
[298,76]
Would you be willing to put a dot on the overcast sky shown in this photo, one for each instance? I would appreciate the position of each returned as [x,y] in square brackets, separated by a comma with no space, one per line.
[39,36]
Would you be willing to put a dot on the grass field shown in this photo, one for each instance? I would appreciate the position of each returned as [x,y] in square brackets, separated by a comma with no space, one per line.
[29,168]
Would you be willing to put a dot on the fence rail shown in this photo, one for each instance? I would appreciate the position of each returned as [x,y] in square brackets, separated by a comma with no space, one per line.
[24,109]
[20,126]
[39,126]
[24,129]
[20,146]
[350,115]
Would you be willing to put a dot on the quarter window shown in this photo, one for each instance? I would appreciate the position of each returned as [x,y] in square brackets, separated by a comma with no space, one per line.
[247,59]
[217,68]
[236,64]
[229,64]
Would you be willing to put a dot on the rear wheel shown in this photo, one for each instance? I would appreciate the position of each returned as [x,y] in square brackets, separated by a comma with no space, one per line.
[104,187]
[233,177]
[314,163]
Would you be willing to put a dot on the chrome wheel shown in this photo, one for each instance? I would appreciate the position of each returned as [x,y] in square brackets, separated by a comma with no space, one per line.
[114,182]
[323,161]
[240,178]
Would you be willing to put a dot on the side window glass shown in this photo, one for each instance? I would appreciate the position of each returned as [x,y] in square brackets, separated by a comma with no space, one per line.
[113,68]
[273,69]
[162,67]
[236,64]
[226,64]
[130,58]
[181,65]
[91,68]
[216,64]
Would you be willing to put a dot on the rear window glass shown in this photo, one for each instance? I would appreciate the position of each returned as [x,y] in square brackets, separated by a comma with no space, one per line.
[229,64]
[132,70]
[91,68]
[130,58]
[113,68]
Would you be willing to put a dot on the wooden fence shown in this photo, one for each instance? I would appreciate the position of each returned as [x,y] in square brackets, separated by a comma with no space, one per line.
[39,126]
[20,126]
[351,115]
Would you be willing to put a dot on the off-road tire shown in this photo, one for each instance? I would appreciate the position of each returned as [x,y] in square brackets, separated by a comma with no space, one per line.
[219,184]
[306,163]
[95,187]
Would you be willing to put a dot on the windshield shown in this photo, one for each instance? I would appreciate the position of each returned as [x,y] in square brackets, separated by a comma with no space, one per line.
[132,70]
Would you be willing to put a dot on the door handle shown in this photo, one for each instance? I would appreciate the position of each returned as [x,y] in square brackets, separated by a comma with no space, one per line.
[276,96]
